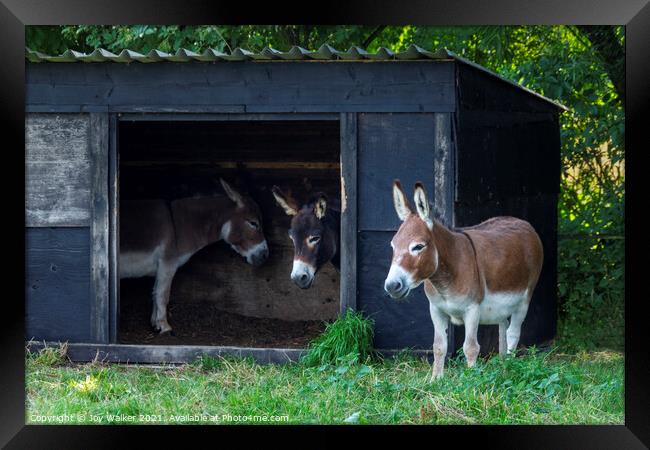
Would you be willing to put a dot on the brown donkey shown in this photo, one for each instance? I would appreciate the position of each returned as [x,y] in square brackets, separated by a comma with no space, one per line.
[484,274]
[157,238]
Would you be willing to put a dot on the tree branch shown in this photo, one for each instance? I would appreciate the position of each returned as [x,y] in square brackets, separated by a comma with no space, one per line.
[372,36]
[612,54]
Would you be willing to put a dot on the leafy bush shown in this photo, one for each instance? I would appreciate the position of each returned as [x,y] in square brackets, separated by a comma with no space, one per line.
[350,334]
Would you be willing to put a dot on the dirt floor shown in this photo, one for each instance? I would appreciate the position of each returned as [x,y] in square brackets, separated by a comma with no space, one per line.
[203,323]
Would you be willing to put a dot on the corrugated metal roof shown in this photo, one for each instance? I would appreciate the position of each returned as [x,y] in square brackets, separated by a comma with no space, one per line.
[324,53]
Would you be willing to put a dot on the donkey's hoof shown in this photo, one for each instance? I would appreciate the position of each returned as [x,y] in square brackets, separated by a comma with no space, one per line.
[435,376]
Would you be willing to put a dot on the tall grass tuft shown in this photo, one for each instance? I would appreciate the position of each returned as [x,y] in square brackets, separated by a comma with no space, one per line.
[350,334]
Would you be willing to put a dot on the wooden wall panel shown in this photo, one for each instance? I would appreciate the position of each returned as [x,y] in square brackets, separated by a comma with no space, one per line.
[57,170]
[244,87]
[57,284]
[392,146]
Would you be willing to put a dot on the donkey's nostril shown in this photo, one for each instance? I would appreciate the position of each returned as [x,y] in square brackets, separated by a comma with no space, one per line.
[303,277]
[394,286]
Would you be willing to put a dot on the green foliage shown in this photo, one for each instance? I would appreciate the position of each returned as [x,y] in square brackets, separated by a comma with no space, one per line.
[573,65]
[345,341]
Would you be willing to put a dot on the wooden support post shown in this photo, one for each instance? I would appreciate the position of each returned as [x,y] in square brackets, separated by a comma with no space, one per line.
[349,234]
[99,226]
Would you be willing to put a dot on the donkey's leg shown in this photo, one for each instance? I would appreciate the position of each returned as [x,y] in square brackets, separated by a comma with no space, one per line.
[162,289]
[440,323]
[514,330]
[470,346]
[502,338]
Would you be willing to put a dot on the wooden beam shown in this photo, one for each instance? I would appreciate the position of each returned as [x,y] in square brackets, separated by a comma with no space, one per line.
[236,165]
[182,354]
[99,226]
[348,211]
[223,117]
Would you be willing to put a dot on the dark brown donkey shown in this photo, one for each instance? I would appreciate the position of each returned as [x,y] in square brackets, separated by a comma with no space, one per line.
[157,238]
[315,232]
[483,274]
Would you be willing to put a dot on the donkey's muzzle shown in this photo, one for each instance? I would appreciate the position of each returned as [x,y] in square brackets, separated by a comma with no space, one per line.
[396,288]
[302,274]
[303,281]
[259,258]
[259,254]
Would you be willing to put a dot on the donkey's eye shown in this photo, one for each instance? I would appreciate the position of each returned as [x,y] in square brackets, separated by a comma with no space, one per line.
[418,247]
[254,225]
[314,239]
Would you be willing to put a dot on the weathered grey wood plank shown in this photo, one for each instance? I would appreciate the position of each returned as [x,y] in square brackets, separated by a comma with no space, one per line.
[99,226]
[168,354]
[57,170]
[182,354]
[443,180]
[349,211]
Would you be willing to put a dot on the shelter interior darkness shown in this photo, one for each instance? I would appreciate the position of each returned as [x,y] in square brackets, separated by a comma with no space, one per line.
[216,297]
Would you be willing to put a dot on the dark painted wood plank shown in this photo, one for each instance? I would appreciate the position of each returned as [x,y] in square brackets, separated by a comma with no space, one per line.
[225,117]
[257,86]
[137,108]
[392,146]
[57,284]
[60,108]
[349,210]
[502,161]
[386,107]
[483,92]
[99,225]
[398,324]
[114,229]
[57,170]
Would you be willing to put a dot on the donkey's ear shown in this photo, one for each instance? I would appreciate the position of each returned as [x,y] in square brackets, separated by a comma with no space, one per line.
[286,202]
[231,193]
[422,204]
[320,207]
[402,206]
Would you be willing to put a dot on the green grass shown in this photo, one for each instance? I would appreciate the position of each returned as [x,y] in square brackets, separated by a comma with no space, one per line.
[535,388]
[351,334]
